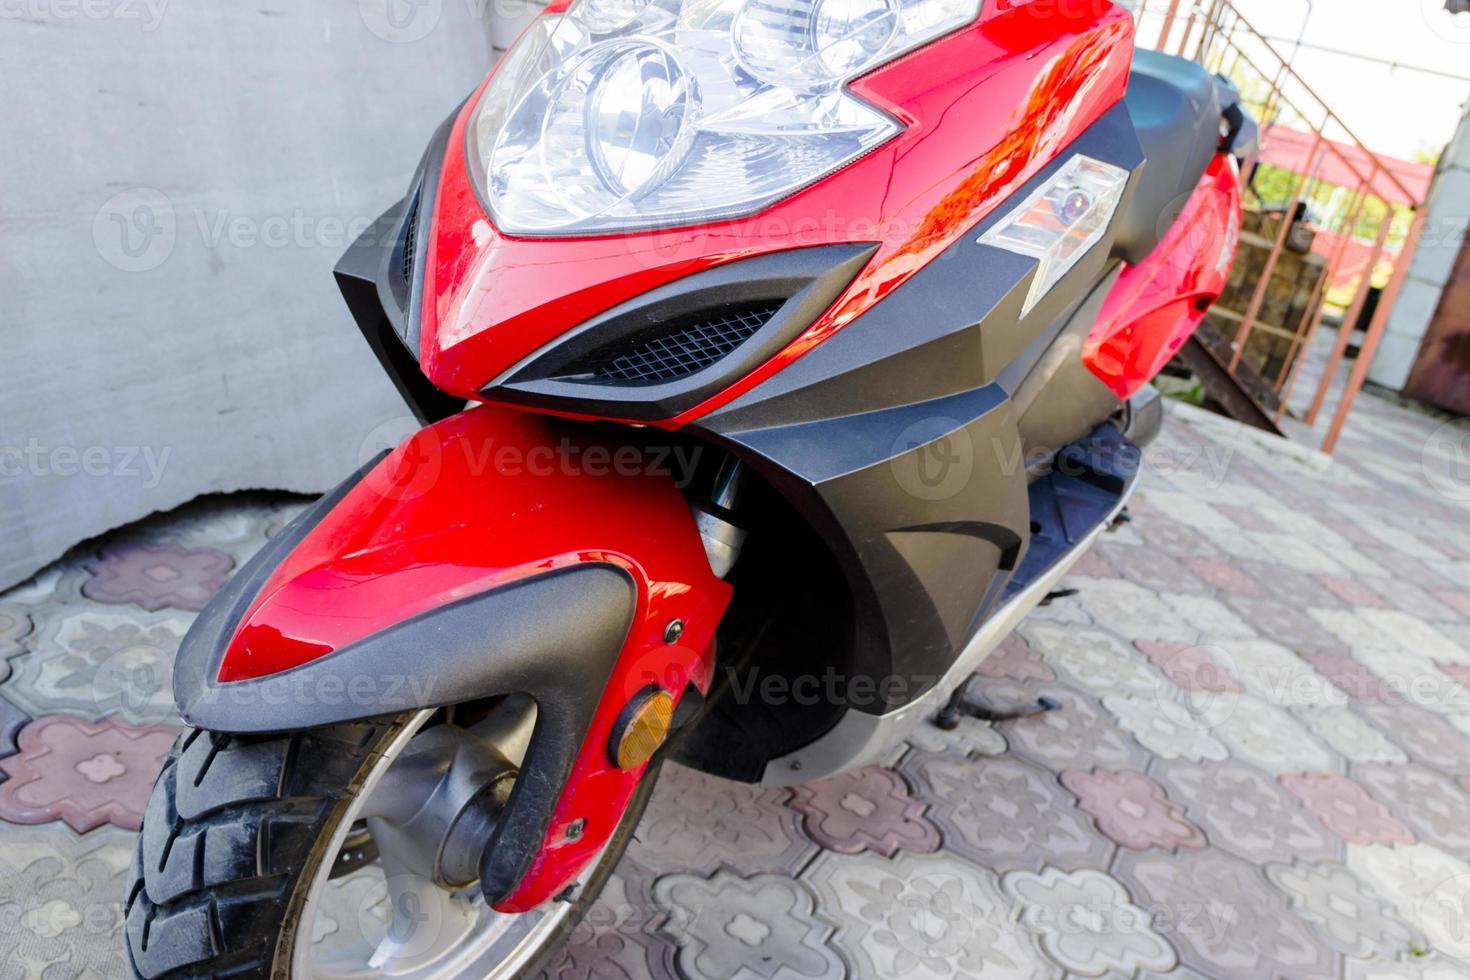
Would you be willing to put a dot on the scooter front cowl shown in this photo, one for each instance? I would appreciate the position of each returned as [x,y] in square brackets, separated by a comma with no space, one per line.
[495,553]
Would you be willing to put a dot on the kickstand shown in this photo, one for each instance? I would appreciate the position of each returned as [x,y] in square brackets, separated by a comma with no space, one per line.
[960,707]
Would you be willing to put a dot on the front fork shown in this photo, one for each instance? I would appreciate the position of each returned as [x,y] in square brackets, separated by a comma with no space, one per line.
[716,518]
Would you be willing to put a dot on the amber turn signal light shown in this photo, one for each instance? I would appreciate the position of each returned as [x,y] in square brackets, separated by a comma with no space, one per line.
[642,728]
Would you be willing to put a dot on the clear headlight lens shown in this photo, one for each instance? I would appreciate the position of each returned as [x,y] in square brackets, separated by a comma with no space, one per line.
[625,114]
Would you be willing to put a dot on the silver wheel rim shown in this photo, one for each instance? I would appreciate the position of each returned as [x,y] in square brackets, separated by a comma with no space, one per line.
[382,921]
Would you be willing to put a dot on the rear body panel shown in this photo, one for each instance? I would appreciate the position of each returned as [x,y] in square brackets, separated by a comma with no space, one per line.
[1159,303]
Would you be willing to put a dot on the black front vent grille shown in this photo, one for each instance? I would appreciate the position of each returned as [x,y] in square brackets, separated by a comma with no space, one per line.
[684,350]
[410,243]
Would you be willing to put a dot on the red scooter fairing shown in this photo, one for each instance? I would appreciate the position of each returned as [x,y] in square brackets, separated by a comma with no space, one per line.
[985,109]
[1158,304]
[497,552]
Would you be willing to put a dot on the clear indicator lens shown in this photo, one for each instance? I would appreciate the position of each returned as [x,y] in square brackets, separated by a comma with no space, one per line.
[624,114]
[1061,222]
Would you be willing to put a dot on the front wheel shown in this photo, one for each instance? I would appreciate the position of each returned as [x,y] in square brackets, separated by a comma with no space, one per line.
[271,857]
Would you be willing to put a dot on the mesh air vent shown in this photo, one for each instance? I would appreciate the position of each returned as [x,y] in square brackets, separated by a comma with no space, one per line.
[683,350]
[410,243]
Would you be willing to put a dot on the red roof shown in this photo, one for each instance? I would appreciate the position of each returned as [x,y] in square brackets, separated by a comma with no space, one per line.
[1288,148]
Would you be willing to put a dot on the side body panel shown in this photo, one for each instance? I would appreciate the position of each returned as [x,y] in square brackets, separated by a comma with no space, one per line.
[1159,303]
[899,439]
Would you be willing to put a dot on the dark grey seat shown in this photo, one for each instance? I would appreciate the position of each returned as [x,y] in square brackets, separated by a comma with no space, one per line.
[1176,109]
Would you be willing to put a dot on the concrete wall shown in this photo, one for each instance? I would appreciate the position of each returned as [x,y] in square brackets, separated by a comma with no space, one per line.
[177,180]
[1449,211]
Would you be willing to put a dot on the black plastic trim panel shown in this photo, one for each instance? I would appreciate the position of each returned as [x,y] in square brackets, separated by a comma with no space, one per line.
[387,307]
[1080,492]
[899,438]
[802,282]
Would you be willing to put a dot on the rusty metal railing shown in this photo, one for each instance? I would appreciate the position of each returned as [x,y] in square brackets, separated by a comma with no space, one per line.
[1214,33]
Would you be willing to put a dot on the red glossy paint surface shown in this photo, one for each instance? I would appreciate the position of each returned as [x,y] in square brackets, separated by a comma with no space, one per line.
[479,500]
[985,108]
[1158,304]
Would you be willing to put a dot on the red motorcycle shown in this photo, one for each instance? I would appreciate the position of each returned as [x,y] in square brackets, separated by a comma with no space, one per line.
[811,343]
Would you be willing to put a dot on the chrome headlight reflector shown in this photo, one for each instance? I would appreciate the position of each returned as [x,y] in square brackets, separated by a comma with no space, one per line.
[625,114]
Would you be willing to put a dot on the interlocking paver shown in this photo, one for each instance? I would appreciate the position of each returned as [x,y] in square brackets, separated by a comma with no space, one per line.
[1352,677]
[1081,735]
[1456,599]
[1247,812]
[1415,601]
[1094,660]
[1223,916]
[1271,738]
[1346,809]
[1363,593]
[12,720]
[972,737]
[1247,518]
[1275,674]
[1435,806]
[1132,810]
[725,922]
[1015,660]
[924,917]
[83,774]
[1131,610]
[620,937]
[700,823]
[1158,571]
[157,576]
[15,625]
[62,896]
[1086,923]
[1349,735]
[1225,576]
[1211,617]
[1190,668]
[872,809]
[1175,539]
[1427,887]
[1006,814]
[101,661]
[1412,634]
[1288,625]
[1293,587]
[1428,739]
[1346,913]
[1167,728]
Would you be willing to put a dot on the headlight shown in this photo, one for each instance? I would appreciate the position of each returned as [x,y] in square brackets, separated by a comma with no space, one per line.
[625,114]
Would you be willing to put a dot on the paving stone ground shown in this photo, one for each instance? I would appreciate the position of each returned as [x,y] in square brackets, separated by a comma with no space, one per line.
[1261,768]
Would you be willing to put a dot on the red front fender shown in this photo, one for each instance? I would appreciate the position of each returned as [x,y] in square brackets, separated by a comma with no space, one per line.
[480,505]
